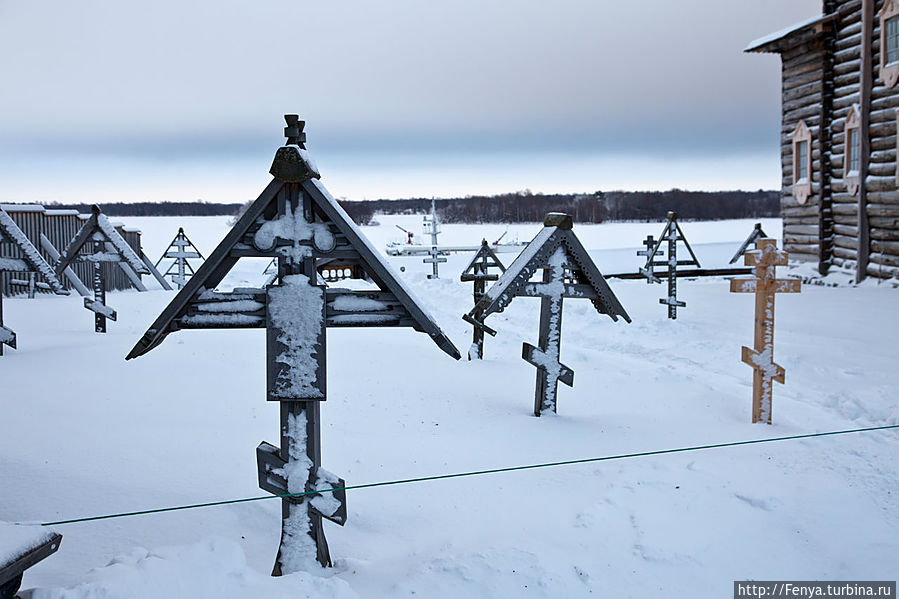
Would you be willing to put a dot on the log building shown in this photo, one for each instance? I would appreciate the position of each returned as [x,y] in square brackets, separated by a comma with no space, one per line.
[840,115]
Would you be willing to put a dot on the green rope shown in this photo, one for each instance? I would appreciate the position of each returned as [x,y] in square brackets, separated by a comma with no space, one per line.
[475,473]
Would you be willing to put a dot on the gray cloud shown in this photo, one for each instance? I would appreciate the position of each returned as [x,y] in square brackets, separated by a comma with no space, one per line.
[172,80]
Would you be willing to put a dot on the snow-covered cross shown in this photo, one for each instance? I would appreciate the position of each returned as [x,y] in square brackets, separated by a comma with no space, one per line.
[672,234]
[650,244]
[298,224]
[25,258]
[478,271]
[98,243]
[181,250]
[765,285]
[568,272]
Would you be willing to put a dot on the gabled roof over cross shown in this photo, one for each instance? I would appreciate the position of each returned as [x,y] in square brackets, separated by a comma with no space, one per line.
[294,216]
[31,260]
[583,277]
[483,260]
[98,228]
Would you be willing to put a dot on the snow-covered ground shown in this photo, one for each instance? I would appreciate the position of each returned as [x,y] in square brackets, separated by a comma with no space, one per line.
[86,433]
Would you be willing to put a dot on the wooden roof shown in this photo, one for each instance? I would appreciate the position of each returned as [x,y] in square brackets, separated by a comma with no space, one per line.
[589,282]
[295,174]
[792,36]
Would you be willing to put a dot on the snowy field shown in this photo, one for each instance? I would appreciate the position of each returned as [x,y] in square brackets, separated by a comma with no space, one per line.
[85,433]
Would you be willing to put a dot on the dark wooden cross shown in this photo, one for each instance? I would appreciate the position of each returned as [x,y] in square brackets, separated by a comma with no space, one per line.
[568,272]
[672,234]
[181,251]
[757,233]
[650,244]
[98,243]
[296,222]
[22,257]
[765,285]
[478,271]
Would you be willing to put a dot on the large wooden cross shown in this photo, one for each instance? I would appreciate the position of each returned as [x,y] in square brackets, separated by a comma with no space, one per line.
[296,221]
[765,285]
[568,271]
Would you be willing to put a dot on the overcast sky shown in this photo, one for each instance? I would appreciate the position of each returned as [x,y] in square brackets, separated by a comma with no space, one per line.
[174,100]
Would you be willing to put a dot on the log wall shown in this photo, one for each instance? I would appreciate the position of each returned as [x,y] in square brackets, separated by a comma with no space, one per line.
[821,81]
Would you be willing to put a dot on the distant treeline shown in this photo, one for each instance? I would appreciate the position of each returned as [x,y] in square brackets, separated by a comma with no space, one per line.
[597,207]
[198,208]
[518,207]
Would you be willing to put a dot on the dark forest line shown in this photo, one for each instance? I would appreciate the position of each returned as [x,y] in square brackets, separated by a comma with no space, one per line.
[522,206]
[594,207]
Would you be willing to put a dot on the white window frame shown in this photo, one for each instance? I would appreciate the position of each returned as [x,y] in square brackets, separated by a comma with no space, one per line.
[889,71]
[802,186]
[853,125]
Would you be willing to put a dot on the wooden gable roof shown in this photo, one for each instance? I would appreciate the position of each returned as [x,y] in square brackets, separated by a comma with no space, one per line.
[276,224]
[31,260]
[588,281]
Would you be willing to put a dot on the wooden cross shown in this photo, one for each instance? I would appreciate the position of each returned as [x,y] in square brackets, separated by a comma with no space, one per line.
[478,271]
[546,357]
[180,250]
[650,244]
[765,285]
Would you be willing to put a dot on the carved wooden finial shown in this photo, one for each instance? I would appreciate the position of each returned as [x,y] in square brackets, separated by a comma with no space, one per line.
[294,130]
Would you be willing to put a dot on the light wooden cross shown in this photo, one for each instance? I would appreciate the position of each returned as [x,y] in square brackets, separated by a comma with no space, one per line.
[764,258]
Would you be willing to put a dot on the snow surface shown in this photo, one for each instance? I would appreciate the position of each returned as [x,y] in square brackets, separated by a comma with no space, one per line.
[180,426]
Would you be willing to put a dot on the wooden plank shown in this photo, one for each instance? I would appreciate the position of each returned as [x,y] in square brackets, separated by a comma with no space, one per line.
[208,275]
[15,568]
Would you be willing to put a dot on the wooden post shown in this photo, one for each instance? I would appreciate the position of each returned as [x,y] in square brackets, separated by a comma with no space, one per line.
[99,287]
[547,357]
[7,336]
[478,271]
[650,244]
[671,300]
[765,285]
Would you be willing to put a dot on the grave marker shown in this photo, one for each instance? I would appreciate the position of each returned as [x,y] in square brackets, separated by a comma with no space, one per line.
[672,234]
[478,271]
[97,242]
[765,285]
[568,272]
[753,238]
[29,261]
[181,251]
[299,224]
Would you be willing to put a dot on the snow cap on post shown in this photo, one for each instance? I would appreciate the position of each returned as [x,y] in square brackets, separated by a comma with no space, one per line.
[292,163]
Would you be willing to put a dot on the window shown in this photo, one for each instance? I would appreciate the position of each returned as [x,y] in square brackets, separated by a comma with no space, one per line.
[852,149]
[852,152]
[892,39]
[802,163]
[889,42]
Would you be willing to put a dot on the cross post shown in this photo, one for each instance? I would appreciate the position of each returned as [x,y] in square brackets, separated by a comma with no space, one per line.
[650,244]
[546,357]
[765,285]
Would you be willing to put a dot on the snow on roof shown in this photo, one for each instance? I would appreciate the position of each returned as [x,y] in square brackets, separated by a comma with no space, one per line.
[756,45]
[61,212]
[22,207]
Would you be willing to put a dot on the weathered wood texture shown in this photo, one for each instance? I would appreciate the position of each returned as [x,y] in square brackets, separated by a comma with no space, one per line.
[58,228]
[823,78]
